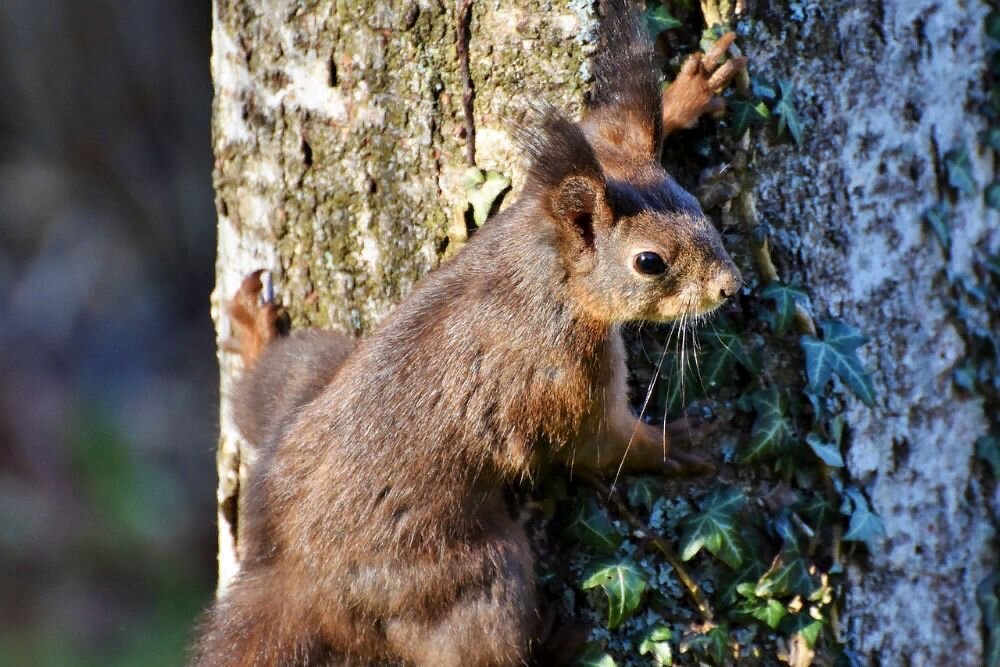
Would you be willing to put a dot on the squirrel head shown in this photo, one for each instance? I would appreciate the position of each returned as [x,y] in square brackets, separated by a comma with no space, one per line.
[634,245]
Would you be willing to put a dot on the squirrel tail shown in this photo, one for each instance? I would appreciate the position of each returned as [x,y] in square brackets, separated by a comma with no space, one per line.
[246,626]
[282,371]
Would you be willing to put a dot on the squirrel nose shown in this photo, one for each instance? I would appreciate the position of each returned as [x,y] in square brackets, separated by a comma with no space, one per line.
[729,281]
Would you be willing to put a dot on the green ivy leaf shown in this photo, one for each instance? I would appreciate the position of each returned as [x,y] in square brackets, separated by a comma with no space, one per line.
[785,298]
[657,644]
[804,625]
[827,452]
[865,526]
[739,583]
[988,599]
[788,575]
[624,585]
[743,113]
[717,369]
[938,217]
[678,388]
[715,528]
[993,25]
[713,645]
[785,110]
[817,509]
[724,338]
[771,430]
[483,191]
[595,656]
[770,612]
[959,168]
[762,88]
[591,526]
[643,492]
[836,353]
[658,19]
[991,197]
[988,451]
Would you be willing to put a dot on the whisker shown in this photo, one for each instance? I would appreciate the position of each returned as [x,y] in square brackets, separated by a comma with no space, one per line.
[642,413]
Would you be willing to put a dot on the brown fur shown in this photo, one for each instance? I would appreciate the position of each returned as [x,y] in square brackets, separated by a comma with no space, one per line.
[376,529]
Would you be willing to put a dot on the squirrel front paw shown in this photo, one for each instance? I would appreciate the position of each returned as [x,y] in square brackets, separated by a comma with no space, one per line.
[695,90]
[256,320]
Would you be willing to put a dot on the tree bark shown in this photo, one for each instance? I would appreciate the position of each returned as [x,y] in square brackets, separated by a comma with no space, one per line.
[886,88]
[340,149]
[340,142]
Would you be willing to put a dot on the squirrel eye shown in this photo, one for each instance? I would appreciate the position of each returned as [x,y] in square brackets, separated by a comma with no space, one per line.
[650,264]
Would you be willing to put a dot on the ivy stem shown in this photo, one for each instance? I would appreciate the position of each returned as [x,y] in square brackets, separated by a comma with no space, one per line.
[612,499]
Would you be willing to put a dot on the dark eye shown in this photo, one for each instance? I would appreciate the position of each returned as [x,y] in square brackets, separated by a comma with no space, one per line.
[650,264]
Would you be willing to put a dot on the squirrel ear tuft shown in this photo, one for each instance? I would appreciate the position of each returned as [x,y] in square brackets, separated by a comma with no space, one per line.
[564,172]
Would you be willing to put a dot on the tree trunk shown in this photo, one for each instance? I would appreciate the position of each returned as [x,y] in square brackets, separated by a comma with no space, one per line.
[887,88]
[340,149]
[341,143]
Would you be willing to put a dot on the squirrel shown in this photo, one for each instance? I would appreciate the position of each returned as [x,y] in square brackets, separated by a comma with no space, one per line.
[376,528]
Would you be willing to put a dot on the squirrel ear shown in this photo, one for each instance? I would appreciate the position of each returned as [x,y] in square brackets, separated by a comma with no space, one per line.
[563,172]
[580,205]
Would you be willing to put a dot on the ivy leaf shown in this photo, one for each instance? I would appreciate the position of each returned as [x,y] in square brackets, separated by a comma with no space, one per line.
[938,217]
[865,526]
[991,197]
[762,88]
[624,585]
[717,369]
[715,528]
[657,643]
[771,430]
[993,25]
[803,624]
[713,645]
[658,19]
[828,452]
[988,599]
[739,583]
[785,298]
[723,337]
[595,656]
[770,612]
[836,353]
[484,191]
[788,575]
[591,526]
[743,113]
[959,168]
[785,110]
[678,388]
[988,451]
[817,509]
[643,492]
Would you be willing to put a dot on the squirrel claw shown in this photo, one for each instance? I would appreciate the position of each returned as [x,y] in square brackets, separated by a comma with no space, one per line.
[694,92]
[684,464]
[256,319]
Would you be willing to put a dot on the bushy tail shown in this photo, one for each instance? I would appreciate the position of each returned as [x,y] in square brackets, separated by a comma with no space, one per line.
[247,628]
[281,372]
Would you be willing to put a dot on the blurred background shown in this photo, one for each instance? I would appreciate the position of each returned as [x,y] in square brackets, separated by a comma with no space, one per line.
[108,378]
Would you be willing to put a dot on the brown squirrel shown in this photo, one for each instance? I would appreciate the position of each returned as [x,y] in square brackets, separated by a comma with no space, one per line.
[376,526]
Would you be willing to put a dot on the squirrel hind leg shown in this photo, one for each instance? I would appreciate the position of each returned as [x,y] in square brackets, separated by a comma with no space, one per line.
[256,319]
